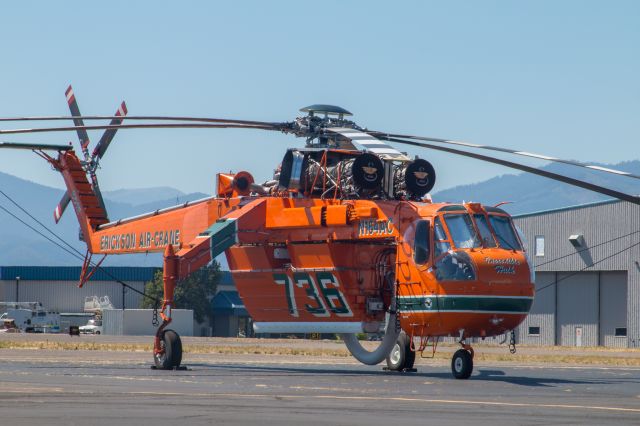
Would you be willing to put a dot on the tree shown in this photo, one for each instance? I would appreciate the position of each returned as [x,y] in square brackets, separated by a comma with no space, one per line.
[193,292]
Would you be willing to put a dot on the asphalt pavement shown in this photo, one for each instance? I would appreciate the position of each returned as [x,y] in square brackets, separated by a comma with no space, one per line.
[119,388]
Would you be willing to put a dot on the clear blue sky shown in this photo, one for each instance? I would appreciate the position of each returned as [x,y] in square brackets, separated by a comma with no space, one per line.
[560,78]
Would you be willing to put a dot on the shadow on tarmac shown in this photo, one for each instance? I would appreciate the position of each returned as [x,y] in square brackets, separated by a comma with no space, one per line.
[480,375]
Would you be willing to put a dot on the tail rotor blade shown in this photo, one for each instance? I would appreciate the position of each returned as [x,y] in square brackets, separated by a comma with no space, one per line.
[77,119]
[62,205]
[108,134]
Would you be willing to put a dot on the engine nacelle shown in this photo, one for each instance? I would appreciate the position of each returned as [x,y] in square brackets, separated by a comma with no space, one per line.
[354,175]
[415,179]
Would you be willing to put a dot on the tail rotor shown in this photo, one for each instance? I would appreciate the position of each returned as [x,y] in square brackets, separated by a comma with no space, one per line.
[91,160]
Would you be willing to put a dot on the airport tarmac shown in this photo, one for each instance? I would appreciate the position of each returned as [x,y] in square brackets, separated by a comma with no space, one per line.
[55,387]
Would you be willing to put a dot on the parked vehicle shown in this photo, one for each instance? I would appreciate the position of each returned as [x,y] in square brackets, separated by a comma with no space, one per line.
[34,321]
[94,326]
[9,326]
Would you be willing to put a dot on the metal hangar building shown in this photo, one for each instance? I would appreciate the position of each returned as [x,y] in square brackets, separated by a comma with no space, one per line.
[587,266]
[57,286]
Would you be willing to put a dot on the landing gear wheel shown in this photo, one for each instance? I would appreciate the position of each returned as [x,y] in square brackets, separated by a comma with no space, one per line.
[401,356]
[172,355]
[462,364]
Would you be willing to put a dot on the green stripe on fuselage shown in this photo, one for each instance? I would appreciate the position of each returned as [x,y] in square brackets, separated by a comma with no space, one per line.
[468,303]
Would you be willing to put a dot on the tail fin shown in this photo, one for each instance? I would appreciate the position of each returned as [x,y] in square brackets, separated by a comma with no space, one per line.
[86,203]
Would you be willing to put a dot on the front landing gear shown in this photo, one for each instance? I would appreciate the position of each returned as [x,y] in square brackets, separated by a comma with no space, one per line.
[462,362]
[169,355]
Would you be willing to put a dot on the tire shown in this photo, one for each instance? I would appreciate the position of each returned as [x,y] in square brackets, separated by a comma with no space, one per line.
[172,356]
[401,356]
[462,364]
[97,333]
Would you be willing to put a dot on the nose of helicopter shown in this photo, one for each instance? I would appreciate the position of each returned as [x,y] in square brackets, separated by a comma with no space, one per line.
[502,266]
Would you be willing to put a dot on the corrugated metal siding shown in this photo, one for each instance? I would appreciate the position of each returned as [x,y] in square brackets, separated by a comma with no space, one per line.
[633,288]
[112,323]
[599,222]
[72,273]
[613,308]
[542,312]
[577,297]
[138,322]
[65,296]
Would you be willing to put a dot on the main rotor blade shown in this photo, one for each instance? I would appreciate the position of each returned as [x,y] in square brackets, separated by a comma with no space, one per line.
[77,119]
[571,181]
[139,126]
[509,151]
[35,146]
[141,117]
[108,134]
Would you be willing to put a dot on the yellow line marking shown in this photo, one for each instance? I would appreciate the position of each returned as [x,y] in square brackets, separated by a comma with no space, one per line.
[397,399]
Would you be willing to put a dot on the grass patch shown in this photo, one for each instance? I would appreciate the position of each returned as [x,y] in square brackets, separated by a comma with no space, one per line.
[554,355]
[187,348]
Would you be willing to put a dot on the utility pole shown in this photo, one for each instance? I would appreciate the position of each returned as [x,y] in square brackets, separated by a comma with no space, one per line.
[17,289]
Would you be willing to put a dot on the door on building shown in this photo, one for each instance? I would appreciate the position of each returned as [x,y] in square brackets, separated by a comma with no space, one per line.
[577,298]
[592,309]
[579,336]
[613,309]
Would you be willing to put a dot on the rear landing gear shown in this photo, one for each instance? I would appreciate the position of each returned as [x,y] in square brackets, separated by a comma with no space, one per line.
[462,362]
[167,347]
[169,356]
[401,357]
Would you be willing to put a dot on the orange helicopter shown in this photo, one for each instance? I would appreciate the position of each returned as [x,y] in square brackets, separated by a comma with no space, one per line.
[344,239]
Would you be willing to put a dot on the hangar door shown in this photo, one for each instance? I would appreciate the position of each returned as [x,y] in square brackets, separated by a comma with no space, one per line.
[577,315]
[613,309]
[591,309]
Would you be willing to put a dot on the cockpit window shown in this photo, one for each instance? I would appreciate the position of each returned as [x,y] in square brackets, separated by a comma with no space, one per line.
[421,242]
[504,231]
[441,244]
[462,230]
[438,230]
[483,228]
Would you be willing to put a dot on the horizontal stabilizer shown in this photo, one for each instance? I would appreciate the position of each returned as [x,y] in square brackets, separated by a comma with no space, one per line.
[223,234]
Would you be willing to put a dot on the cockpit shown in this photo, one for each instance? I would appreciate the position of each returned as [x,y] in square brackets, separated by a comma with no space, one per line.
[448,240]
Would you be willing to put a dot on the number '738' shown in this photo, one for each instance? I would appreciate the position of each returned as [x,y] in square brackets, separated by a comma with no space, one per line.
[329,300]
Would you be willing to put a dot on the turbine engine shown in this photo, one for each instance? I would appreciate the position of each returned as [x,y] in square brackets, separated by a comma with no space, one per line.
[414,180]
[329,173]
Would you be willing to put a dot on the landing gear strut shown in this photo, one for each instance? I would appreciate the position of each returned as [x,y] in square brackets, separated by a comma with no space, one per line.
[167,347]
[462,362]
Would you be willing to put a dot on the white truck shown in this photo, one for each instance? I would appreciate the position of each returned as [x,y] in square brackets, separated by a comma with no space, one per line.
[93,326]
[95,305]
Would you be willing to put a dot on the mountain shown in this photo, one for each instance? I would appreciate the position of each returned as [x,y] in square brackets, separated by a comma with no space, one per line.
[529,193]
[20,245]
[139,196]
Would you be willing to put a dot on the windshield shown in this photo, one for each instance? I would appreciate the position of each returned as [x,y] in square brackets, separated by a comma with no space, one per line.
[504,231]
[483,228]
[462,231]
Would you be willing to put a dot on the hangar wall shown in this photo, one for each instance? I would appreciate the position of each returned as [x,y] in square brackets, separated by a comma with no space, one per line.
[587,295]
[57,287]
